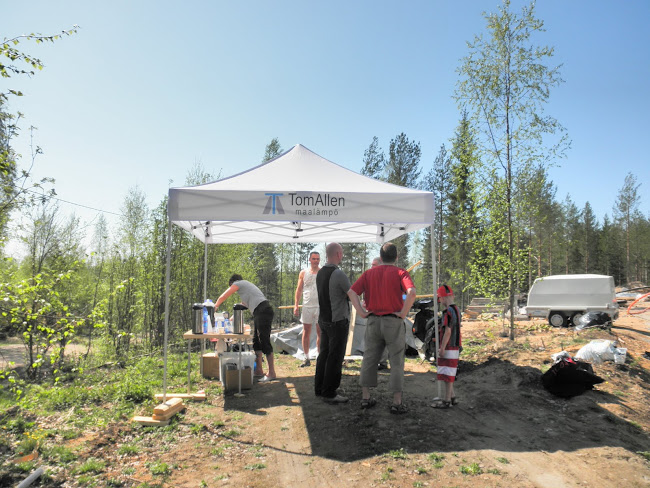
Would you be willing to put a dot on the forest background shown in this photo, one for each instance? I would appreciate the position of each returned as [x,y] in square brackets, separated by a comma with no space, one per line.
[499,224]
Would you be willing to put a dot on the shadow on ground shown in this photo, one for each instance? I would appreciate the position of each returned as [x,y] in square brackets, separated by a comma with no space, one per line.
[503,407]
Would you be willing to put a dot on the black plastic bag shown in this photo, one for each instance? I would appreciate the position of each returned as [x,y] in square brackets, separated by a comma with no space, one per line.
[570,377]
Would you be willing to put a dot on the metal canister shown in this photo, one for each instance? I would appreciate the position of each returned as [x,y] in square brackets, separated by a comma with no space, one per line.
[197,325]
[238,318]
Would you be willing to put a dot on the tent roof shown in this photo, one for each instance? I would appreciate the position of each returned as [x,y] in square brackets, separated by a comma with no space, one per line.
[299,196]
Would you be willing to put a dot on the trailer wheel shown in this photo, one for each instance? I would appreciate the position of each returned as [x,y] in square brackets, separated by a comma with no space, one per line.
[557,319]
[576,317]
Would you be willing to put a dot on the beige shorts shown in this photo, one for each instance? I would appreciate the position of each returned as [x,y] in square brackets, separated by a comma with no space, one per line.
[309,315]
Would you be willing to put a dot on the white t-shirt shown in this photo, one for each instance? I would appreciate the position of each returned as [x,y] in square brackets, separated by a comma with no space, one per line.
[309,291]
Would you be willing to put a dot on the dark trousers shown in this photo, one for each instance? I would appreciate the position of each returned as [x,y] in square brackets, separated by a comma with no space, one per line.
[333,339]
[262,320]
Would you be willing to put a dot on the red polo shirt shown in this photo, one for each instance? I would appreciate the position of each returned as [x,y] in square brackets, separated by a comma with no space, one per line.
[382,288]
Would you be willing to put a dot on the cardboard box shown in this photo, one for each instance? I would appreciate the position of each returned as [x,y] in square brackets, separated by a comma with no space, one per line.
[232,379]
[230,360]
[210,365]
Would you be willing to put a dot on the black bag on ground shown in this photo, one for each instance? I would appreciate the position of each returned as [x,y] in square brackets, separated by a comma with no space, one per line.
[570,377]
[422,317]
[423,326]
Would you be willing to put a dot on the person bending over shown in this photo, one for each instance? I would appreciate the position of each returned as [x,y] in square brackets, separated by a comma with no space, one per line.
[253,298]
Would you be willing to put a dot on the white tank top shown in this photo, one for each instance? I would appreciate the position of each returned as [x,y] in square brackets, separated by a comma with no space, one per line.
[309,292]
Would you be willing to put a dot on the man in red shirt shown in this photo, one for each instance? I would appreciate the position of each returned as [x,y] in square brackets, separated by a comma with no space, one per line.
[383,287]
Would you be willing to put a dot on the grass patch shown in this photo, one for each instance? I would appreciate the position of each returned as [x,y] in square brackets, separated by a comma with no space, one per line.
[26,467]
[398,454]
[196,429]
[232,433]
[644,454]
[70,434]
[386,475]
[471,469]
[91,466]
[87,480]
[474,346]
[635,425]
[60,454]
[217,451]
[253,467]
[258,451]
[128,449]
[503,460]
[159,468]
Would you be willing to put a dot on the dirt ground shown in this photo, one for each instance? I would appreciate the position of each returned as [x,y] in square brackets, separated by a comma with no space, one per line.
[13,353]
[507,430]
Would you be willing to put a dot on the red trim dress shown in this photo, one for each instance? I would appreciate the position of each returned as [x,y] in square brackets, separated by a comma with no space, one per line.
[448,363]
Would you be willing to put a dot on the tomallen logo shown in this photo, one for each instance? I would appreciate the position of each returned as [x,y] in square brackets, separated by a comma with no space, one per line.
[273,205]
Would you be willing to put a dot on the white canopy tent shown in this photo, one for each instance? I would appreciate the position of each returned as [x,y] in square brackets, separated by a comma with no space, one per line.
[296,197]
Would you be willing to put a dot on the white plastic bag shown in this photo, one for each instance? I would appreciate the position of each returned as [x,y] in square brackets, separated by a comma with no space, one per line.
[559,355]
[619,355]
[597,351]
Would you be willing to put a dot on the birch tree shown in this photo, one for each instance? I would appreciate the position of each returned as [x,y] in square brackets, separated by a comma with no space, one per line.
[504,84]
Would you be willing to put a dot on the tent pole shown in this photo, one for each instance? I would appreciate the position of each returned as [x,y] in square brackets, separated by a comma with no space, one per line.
[166,334]
[435,300]
[205,271]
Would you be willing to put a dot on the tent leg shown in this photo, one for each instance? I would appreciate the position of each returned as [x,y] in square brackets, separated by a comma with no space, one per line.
[166,333]
[434,267]
[205,272]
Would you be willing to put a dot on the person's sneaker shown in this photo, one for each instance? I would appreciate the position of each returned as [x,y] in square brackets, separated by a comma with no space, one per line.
[382,366]
[336,399]
[305,363]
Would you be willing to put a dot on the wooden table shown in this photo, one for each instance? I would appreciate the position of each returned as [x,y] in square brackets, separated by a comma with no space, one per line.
[189,336]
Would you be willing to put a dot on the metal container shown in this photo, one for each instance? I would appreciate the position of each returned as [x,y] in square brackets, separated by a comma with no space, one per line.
[238,318]
[197,326]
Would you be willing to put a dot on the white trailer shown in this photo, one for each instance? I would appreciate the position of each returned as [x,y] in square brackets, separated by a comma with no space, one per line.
[563,299]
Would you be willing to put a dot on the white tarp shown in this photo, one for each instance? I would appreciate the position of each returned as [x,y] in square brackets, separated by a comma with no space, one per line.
[299,196]
[290,340]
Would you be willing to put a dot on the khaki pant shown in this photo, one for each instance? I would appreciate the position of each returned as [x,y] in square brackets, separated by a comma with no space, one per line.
[384,332]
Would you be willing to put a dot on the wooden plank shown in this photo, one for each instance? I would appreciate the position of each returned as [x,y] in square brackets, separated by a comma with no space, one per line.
[150,421]
[353,318]
[170,412]
[167,406]
[198,396]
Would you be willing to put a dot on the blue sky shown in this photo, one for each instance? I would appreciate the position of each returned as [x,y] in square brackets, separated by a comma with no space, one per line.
[148,88]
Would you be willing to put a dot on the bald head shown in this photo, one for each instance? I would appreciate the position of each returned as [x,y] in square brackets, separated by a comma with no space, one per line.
[334,253]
